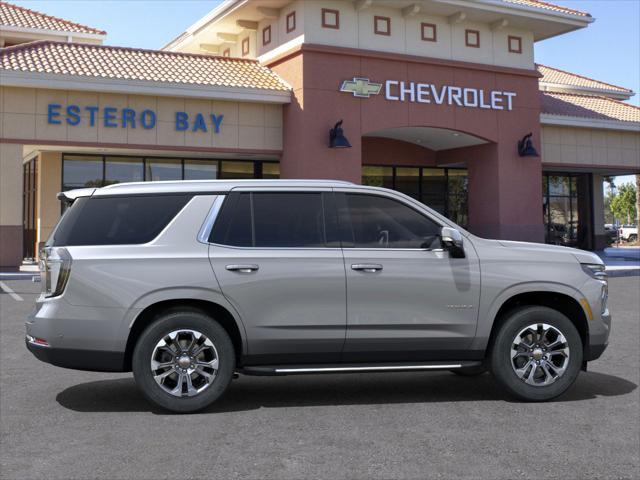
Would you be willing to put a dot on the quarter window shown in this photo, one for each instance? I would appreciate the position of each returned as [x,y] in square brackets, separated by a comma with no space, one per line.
[380,222]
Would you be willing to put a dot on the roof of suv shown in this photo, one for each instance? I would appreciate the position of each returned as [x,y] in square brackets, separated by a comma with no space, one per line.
[197,186]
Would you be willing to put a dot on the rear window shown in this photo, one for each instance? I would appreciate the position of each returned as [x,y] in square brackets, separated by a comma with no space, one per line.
[117,220]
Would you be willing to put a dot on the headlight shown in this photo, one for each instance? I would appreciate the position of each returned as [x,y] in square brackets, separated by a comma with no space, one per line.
[595,270]
[55,268]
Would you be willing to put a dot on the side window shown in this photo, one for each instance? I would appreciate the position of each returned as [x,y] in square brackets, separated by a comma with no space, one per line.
[276,220]
[380,222]
[288,220]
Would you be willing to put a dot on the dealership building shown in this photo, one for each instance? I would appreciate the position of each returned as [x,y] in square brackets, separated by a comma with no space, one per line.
[439,99]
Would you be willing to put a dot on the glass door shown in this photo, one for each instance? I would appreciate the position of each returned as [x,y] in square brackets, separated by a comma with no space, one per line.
[29,179]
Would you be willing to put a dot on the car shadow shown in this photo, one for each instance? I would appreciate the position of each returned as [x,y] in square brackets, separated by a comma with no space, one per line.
[251,393]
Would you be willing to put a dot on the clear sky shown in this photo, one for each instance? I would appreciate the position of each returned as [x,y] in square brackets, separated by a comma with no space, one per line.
[608,50]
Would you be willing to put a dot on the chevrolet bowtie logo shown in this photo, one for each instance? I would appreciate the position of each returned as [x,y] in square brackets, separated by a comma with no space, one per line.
[361,87]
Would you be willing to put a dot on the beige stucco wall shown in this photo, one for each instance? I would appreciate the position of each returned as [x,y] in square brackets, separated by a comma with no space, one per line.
[254,126]
[586,147]
[48,206]
[10,184]
[356,31]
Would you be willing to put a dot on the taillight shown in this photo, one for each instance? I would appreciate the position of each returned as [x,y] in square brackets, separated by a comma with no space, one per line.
[55,268]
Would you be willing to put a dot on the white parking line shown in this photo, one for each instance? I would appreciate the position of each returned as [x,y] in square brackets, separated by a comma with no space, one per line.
[12,294]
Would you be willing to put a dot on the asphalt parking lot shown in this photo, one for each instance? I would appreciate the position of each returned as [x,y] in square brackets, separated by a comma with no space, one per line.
[63,424]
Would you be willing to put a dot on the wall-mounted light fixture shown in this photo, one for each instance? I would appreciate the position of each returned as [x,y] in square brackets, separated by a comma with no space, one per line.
[337,138]
[525,147]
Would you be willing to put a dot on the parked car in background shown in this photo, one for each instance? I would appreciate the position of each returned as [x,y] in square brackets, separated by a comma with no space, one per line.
[612,232]
[189,283]
[628,233]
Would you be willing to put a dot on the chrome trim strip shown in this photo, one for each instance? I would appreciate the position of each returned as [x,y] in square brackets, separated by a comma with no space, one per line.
[357,369]
[205,230]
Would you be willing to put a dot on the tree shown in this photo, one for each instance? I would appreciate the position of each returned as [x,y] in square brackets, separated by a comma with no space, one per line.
[623,204]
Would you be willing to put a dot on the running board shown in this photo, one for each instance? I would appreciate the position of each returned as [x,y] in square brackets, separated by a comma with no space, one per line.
[354,368]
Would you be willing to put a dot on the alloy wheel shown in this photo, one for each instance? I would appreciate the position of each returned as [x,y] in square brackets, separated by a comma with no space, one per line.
[539,354]
[184,363]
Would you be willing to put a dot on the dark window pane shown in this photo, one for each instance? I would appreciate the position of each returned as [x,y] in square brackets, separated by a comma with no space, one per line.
[117,220]
[200,169]
[377,176]
[558,185]
[237,170]
[380,222]
[270,170]
[458,196]
[163,169]
[123,169]
[408,181]
[80,171]
[434,188]
[233,226]
[288,220]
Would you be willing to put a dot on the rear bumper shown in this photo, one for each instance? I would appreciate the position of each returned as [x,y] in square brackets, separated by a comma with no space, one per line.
[91,360]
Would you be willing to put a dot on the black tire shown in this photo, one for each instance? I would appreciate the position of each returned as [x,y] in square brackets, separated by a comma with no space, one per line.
[500,353]
[170,321]
[470,371]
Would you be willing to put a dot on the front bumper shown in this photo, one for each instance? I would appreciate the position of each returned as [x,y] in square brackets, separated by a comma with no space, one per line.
[91,360]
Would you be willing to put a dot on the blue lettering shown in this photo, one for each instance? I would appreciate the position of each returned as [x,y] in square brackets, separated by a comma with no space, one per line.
[128,117]
[199,124]
[92,115]
[73,115]
[109,116]
[148,119]
[217,121]
[53,114]
[182,121]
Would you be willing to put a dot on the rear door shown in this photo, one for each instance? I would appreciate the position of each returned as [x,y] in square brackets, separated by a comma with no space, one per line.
[278,260]
[407,299]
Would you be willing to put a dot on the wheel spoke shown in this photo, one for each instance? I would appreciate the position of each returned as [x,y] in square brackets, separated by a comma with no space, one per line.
[213,364]
[532,373]
[522,371]
[160,377]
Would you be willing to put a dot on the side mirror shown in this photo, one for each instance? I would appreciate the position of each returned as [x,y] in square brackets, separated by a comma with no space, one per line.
[452,241]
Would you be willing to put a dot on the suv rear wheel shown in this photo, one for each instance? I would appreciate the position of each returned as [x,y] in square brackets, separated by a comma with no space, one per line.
[184,361]
[537,353]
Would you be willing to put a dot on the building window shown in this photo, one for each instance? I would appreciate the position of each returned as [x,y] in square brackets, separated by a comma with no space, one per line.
[81,171]
[226,52]
[291,22]
[245,47]
[382,25]
[266,35]
[472,38]
[330,18]
[429,33]
[566,199]
[443,189]
[515,44]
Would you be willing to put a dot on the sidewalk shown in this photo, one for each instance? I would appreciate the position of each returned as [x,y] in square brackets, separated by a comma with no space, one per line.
[621,262]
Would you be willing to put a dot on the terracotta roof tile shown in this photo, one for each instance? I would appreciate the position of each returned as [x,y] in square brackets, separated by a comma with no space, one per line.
[137,64]
[15,16]
[548,6]
[560,77]
[588,106]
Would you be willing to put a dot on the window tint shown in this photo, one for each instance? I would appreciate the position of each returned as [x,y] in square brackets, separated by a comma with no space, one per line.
[117,220]
[379,222]
[272,220]
[288,220]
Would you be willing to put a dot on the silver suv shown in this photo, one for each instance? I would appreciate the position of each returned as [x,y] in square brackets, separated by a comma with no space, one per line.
[188,283]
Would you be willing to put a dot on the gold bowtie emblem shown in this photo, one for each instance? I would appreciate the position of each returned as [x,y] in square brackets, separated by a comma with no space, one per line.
[361,87]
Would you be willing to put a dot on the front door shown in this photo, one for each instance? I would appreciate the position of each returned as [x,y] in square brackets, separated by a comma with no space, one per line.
[407,300]
[278,261]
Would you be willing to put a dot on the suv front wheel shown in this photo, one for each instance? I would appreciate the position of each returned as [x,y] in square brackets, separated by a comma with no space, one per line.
[183,361]
[536,354]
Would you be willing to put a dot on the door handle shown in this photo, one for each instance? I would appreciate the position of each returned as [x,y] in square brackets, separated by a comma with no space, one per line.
[367,267]
[242,268]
